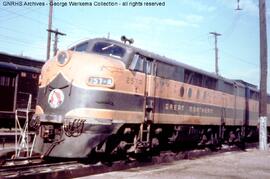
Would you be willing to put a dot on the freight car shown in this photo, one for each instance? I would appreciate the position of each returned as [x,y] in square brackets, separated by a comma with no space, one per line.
[18,79]
[107,97]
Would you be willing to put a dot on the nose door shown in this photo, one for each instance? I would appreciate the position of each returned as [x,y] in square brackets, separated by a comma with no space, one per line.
[150,90]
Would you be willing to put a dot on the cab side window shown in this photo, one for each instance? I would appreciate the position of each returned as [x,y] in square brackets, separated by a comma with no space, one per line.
[137,63]
[141,64]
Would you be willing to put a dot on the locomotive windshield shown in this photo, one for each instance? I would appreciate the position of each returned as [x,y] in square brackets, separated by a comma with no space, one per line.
[81,47]
[109,49]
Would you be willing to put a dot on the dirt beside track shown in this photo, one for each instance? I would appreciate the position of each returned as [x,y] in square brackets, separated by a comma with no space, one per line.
[250,164]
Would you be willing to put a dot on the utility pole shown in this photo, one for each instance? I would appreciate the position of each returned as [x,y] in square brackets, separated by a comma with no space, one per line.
[238,6]
[263,77]
[56,33]
[216,51]
[49,28]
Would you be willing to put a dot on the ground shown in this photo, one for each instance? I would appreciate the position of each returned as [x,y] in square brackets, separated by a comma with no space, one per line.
[250,164]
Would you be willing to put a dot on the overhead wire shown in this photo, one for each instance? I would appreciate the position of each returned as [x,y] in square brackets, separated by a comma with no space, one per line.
[20,32]
[8,39]
[240,59]
[8,10]
[20,15]
[198,38]
[231,28]
[79,27]
[7,43]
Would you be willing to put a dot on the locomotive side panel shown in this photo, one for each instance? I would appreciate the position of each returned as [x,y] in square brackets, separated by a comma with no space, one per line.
[253,108]
[189,104]
[240,102]
[195,100]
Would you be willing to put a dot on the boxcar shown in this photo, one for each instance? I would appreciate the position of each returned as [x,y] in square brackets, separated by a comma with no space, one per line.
[19,77]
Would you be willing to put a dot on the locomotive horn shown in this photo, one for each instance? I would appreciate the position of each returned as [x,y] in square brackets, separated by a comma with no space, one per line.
[124,39]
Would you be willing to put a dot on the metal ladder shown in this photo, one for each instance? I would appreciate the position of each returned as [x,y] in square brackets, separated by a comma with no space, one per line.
[22,134]
[144,133]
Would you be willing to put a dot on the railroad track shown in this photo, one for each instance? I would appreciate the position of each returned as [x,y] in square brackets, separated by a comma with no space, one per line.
[71,169]
[34,169]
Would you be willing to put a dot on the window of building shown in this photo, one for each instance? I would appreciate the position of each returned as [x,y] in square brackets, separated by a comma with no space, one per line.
[7,81]
[23,74]
[13,82]
[2,81]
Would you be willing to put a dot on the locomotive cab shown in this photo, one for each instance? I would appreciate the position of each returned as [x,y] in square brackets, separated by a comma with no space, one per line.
[104,47]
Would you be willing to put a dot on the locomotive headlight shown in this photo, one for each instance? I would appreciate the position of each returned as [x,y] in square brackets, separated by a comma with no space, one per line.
[100,81]
[62,58]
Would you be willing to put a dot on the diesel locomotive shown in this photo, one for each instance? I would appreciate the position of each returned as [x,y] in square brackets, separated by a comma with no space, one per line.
[104,97]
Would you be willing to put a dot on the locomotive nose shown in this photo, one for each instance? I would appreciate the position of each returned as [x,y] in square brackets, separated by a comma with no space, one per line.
[72,80]
[85,70]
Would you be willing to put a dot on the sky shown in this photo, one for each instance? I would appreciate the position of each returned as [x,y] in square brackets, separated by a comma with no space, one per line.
[178,30]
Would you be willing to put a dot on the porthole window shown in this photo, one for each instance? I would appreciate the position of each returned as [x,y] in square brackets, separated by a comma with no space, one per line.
[189,92]
[182,91]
